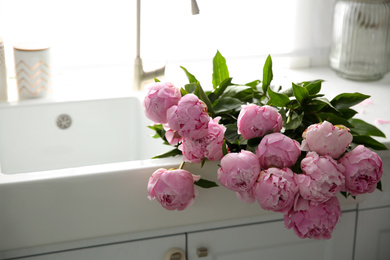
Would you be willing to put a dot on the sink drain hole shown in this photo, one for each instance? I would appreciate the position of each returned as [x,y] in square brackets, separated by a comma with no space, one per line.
[64,121]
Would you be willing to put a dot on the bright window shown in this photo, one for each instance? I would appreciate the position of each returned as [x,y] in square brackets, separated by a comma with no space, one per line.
[89,37]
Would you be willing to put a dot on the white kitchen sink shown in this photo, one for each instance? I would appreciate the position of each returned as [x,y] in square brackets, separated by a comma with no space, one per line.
[56,135]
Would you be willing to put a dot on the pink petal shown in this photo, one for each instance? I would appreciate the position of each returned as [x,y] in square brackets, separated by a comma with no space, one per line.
[379,121]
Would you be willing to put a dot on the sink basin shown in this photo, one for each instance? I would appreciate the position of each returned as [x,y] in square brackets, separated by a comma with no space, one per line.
[41,136]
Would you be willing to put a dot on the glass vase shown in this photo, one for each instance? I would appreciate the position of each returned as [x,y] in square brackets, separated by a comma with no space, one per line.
[361,39]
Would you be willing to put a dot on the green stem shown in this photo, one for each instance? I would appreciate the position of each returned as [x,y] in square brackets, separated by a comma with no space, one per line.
[318,117]
[182,165]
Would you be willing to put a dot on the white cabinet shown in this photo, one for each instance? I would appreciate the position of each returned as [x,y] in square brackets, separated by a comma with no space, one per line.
[150,249]
[373,234]
[272,241]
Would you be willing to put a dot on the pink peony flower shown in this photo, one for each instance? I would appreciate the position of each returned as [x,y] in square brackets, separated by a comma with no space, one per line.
[256,121]
[189,117]
[193,150]
[326,139]
[315,220]
[239,172]
[173,189]
[275,189]
[322,177]
[173,137]
[214,140]
[277,150]
[246,196]
[160,97]
[209,147]
[363,170]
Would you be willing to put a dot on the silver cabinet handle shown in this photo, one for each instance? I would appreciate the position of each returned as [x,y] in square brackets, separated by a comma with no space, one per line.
[175,254]
[202,252]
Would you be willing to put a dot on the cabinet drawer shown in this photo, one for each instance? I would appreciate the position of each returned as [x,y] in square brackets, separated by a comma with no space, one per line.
[272,241]
[150,249]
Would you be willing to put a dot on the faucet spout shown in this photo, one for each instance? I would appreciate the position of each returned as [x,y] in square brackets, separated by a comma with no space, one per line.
[140,75]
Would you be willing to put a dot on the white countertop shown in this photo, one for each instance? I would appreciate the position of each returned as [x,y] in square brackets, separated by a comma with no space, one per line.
[93,202]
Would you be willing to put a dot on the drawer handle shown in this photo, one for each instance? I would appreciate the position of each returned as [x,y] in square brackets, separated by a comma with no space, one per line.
[175,254]
[202,252]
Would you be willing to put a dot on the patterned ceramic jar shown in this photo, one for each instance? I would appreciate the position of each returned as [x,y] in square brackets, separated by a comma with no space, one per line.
[33,74]
[3,74]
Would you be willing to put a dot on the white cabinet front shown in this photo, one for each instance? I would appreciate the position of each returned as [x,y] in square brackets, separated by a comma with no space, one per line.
[373,234]
[150,249]
[271,241]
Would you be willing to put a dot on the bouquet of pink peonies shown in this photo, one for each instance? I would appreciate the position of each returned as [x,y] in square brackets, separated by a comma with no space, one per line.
[292,151]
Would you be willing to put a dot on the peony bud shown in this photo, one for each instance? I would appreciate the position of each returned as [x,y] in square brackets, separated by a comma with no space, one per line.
[275,189]
[256,121]
[189,117]
[363,170]
[315,220]
[239,172]
[173,189]
[209,147]
[322,177]
[160,97]
[326,139]
[277,150]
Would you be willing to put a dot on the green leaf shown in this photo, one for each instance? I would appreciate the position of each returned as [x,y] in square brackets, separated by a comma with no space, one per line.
[313,87]
[267,74]
[300,93]
[278,99]
[226,104]
[156,80]
[346,194]
[295,121]
[183,92]
[202,163]
[220,69]
[368,142]
[159,129]
[221,88]
[363,128]
[191,88]
[224,148]
[346,100]
[335,119]
[254,142]
[317,104]
[205,183]
[231,133]
[190,77]
[293,104]
[347,113]
[379,185]
[237,91]
[282,112]
[253,84]
[171,153]
[288,92]
[205,99]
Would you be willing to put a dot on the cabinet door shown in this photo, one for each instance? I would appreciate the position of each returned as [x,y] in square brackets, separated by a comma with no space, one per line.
[150,249]
[272,241]
[373,234]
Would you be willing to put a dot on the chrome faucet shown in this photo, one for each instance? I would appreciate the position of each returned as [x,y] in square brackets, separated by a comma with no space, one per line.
[139,74]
